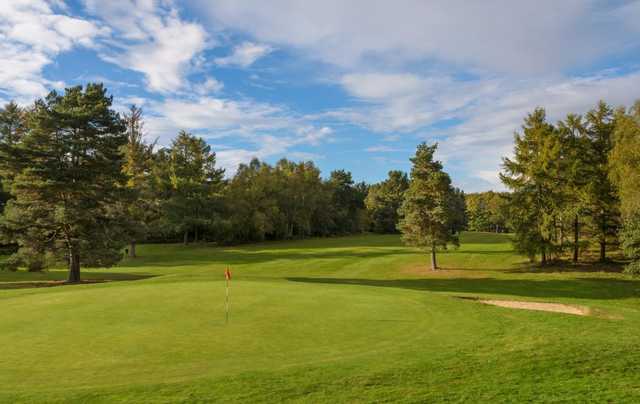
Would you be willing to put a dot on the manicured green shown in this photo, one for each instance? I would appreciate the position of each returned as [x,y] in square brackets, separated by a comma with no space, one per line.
[354,319]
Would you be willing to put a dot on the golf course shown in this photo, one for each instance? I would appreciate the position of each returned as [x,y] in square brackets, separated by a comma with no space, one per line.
[346,319]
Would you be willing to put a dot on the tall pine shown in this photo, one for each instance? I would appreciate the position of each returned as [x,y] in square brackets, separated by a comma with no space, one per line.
[426,210]
[67,181]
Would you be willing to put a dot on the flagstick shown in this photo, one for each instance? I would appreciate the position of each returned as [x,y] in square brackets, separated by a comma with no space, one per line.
[226,302]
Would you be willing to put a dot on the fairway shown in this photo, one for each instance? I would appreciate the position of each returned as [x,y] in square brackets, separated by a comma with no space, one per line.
[350,319]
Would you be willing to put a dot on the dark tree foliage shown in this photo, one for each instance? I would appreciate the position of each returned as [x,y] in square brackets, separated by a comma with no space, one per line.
[487,211]
[625,173]
[602,199]
[66,180]
[533,175]
[384,200]
[191,184]
[427,213]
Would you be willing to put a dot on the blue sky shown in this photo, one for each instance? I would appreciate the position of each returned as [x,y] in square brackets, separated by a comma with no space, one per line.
[354,85]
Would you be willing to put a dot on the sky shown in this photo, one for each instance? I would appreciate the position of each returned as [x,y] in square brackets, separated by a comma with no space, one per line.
[352,85]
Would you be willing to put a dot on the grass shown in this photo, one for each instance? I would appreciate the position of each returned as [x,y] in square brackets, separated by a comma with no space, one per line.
[354,319]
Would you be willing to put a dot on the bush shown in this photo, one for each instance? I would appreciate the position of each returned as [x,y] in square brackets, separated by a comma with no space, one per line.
[630,237]
[11,264]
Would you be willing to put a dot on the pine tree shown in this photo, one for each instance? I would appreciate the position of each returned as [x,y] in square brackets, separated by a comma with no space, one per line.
[603,203]
[426,210]
[624,164]
[383,201]
[533,175]
[577,169]
[194,185]
[138,166]
[67,181]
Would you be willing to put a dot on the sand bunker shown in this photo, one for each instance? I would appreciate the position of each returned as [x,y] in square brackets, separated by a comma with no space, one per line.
[554,307]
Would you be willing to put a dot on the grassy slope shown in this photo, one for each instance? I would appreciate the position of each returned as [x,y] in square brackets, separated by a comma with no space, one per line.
[347,319]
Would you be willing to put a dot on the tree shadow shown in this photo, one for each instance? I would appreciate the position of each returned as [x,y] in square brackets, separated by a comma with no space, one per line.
[58,278]
[582,288]
[567,266]
[241,257]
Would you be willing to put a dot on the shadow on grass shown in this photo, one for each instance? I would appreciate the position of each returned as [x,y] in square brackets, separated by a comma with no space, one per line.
[567,266]
[582,288]
[26,280]
[240,256]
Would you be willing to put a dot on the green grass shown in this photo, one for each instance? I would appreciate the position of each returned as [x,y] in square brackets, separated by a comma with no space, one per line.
[354,319]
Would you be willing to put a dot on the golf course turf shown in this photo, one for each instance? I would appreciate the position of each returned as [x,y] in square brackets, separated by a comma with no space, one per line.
[349,319]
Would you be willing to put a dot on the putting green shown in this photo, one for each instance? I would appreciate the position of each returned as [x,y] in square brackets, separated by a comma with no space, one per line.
[345,319]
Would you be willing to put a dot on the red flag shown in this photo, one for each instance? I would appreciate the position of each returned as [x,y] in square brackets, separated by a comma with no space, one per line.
[227,274]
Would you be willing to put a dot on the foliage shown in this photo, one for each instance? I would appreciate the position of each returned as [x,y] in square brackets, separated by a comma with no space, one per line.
[625,173]
[427,211]
[487,211]
[630,237]
[66,180]
[383,201]
[532,175]
[602,199]
[143,207]
[192,184]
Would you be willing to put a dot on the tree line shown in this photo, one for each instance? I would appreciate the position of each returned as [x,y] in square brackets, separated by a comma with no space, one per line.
[576,183]
[81,185]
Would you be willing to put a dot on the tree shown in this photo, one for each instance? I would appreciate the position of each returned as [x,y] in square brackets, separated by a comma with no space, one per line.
[533,175]
[67,181]
[487,211]
[138,166]
[194,184]
[624,172]
[577,170]
[383,201]
[12,127]
[347,202]
[426,211]
[603,203]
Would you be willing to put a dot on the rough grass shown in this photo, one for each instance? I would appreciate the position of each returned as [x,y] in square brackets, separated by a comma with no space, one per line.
[354,319]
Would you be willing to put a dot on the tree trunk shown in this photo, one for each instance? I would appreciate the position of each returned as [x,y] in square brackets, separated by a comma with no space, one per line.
[434,265]
[544,256]
[186,237]
[74,268]
[195,235]
[132,250]
[576,239]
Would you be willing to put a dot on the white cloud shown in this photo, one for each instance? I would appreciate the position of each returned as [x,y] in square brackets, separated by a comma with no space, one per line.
[381,149]
[271,130]
[210,85]
[486,132]
[505,36]
[151,38]
[244,55]
[32,33]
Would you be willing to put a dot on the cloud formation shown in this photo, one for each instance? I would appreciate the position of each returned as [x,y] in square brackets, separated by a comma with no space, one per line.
[150,37]
[244,55]
[32,34]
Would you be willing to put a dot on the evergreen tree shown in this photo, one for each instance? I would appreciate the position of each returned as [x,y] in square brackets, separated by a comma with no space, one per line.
[138,166]
[533,175]
[347,203]
[194,184]
[603,203]
[66,180]
[625,173]
[12,128]
[383,201]
[577,169]
[426,210]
